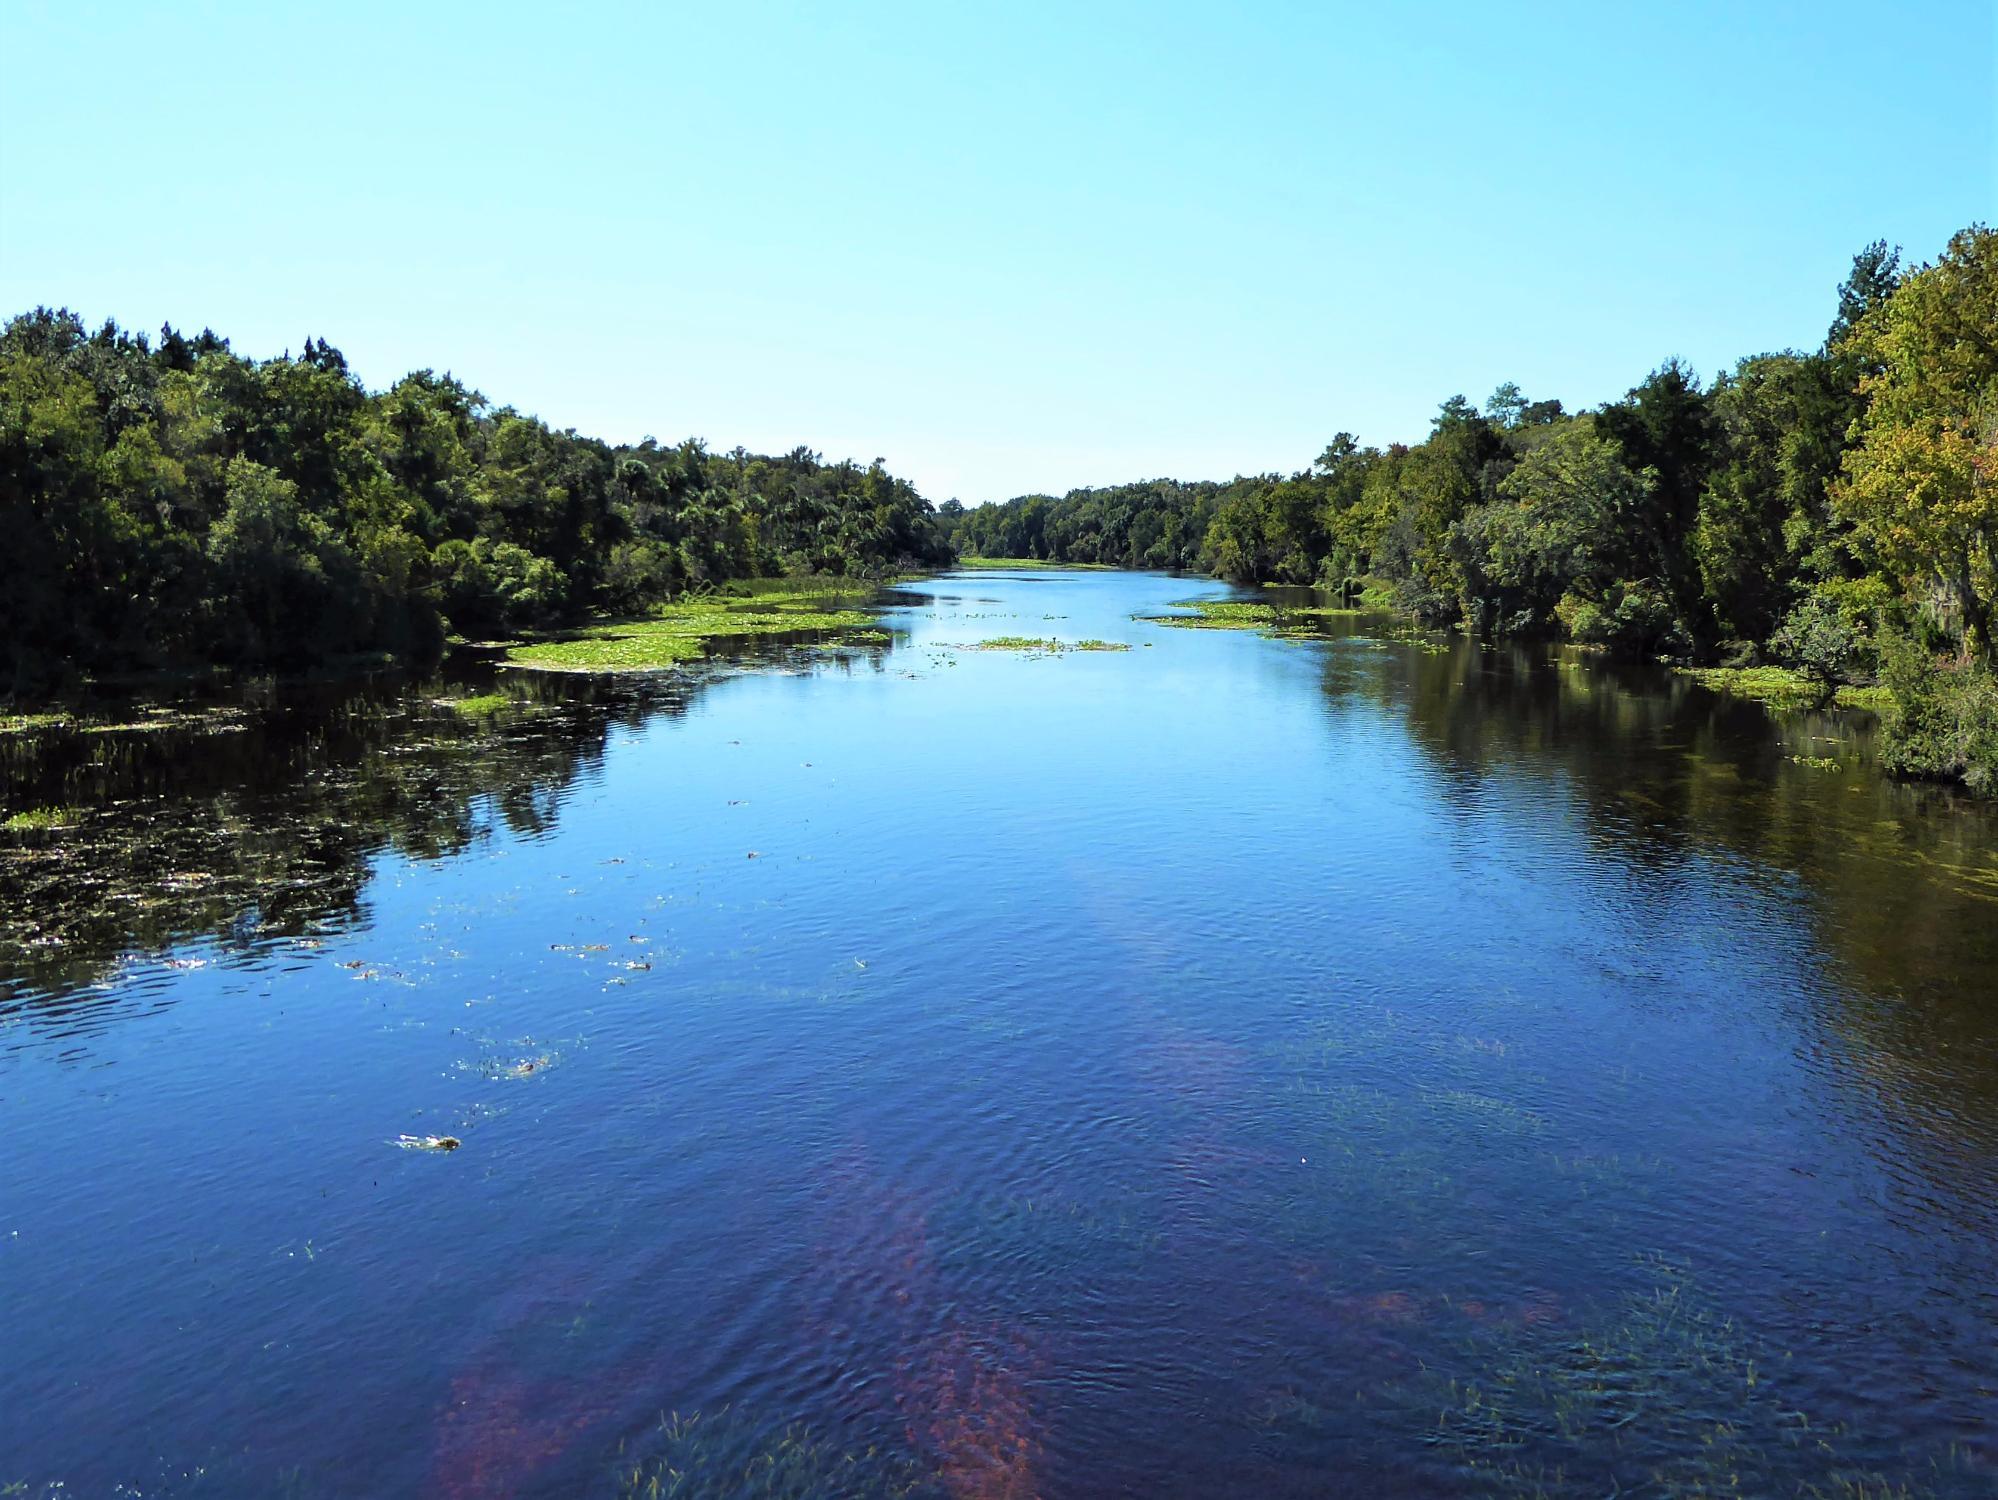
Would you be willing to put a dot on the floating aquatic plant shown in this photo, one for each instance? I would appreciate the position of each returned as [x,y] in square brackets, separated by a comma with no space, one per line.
[142,719]
[1049,646]
[1237,614]
[42,819]
[1782,688]
[32,724]
[483,705]
[678,633]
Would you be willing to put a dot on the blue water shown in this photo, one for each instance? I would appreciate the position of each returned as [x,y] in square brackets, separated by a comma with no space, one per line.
[1230,1065]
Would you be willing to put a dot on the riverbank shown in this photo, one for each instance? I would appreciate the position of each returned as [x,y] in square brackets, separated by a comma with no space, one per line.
[1780,688]
[667,635]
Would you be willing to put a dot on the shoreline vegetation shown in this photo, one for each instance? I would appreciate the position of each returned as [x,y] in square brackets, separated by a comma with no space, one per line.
[1785,689]
[1031,564]
[174,507]
[1807,528]
[1781,688]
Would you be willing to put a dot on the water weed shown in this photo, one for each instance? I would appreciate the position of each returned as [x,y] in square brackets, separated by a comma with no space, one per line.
[709,1457]
[680,632]
[1663,1393]
[1048,647]
[1782,688]
[1237,614]
[481,706]
[42,819]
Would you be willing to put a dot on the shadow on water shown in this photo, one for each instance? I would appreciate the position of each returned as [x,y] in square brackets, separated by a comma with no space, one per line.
[1899,882]
[253,819]
[1692,803]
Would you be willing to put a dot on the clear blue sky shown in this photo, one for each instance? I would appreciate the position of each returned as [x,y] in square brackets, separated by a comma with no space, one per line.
[1008,247]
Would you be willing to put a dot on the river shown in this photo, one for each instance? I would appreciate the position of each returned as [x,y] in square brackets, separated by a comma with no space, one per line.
[1371,1064]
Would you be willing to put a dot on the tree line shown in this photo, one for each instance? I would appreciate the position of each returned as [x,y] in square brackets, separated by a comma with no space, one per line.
[1833,510]
[169,503]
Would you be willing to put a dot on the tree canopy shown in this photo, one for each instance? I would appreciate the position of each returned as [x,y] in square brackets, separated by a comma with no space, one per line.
[171,502]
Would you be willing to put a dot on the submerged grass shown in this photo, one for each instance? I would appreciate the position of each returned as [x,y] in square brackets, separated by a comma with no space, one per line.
[1782,688]
[1662,1394]
[712,1456]
[1658,1391]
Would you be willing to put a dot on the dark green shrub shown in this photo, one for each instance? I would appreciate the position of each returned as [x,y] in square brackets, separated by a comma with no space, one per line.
[1819,640]
[1943,723]
[1628,617]
[492,588]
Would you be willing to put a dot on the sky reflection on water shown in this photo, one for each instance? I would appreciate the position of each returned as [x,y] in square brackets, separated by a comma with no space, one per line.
[1186,1070]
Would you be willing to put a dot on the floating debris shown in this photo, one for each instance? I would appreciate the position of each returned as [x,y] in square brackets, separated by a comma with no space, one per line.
[427,1142]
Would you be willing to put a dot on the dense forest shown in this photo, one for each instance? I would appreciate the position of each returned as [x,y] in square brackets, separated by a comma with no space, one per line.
[171,503]
[168,503]
[1834,511]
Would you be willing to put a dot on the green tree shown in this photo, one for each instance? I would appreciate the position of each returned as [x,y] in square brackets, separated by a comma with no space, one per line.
[1552,532]
[1921,485]
[287,584]
[1665,426]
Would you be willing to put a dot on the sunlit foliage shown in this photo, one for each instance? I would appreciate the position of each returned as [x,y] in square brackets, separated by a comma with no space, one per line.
[171,503]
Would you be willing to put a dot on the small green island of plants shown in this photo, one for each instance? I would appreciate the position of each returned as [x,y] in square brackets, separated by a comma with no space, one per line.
[686,629]
[1047,647]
